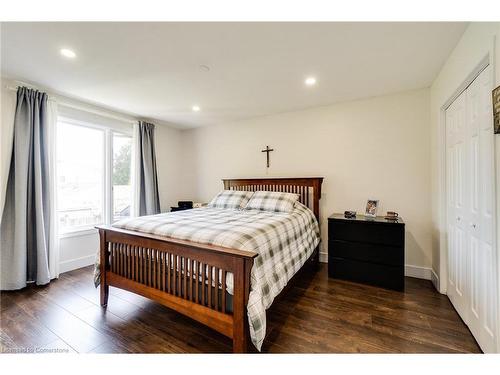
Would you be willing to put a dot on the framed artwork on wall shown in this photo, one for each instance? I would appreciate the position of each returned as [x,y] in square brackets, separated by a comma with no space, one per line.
[496,110]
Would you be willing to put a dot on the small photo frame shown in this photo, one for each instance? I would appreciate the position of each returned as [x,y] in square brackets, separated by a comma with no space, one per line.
[371,207]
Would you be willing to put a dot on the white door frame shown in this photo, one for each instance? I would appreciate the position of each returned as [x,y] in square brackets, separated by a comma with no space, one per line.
[489,59]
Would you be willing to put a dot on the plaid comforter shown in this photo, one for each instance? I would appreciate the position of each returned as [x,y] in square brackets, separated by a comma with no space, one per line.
[284,241]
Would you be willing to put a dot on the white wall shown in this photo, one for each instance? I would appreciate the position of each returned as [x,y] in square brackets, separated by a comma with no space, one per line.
[479,40]
[170,164]
[374,148]
[7,110]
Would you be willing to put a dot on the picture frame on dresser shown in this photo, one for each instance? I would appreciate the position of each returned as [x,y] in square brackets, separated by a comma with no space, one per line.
[371,208]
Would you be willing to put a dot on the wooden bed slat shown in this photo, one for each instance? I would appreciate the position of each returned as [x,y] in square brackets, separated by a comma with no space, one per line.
[128,267]
[153,266]
[148,269]
[223,282]
[169,272]
[209,286]
[118,258]
[113,257]
[191,281]
[158,270]
[216,289]
[144,266]
[184,271]
[203,281]
[197,296]
[174,274]
[120,252]
[179,275]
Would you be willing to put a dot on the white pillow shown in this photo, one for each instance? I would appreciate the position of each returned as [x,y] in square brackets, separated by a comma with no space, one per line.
[272,201]
[232,199]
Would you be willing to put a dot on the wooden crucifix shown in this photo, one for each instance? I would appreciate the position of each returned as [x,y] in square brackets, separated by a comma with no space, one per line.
[268,150]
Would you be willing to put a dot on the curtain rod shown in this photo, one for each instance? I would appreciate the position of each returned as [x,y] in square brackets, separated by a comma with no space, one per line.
[81,107]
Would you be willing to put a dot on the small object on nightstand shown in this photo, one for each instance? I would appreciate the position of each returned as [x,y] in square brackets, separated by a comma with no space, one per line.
[185,204]
[371,208]
[349,214]
[182,205]
[391,216]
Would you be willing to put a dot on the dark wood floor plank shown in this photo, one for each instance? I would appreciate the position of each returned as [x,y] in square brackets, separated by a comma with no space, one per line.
[63,295]
[23,330]
[195,337]
[85,290]
[122,308]
[316,315]
[6,300]
[76,333]
[126,333]
[136,299]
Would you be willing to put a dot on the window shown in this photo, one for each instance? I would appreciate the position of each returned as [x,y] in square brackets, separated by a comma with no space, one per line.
[88,156]
[122,185]
[80,177]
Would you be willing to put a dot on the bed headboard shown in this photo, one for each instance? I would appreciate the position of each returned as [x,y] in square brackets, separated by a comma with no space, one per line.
[309,188]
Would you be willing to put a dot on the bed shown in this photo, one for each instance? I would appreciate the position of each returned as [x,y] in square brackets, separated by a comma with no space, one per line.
[223,269]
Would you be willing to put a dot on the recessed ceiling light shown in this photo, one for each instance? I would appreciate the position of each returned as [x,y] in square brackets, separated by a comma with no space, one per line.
[310,81]
[68,53]
[196,108]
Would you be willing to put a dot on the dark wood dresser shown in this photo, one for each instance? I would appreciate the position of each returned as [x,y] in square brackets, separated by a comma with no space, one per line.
[367,250]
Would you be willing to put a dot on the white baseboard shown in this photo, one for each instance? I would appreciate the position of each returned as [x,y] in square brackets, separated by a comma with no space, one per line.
[73,264]
[435,280]
[418,272]
[323,257]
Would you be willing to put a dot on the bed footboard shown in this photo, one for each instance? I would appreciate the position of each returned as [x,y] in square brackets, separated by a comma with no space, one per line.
[187,277]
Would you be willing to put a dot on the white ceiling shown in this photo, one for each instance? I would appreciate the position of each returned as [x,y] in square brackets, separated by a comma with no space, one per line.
[153,69]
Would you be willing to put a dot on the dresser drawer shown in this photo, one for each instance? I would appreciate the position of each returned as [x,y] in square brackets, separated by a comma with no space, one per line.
[375,233]
[375,253]
[391,277]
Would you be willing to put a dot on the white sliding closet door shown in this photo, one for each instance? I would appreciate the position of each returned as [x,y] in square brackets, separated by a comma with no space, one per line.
[482,308]
[457,210]
[470,195]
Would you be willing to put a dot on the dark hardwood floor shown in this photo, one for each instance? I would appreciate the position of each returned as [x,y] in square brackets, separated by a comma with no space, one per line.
[317,315]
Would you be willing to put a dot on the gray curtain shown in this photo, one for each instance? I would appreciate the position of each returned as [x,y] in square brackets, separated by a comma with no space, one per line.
[148,197]
[25,225]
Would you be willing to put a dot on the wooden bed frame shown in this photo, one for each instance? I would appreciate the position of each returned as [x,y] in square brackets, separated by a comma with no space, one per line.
[153,266]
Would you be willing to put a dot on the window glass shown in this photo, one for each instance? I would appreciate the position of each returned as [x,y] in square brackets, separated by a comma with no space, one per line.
[80,177]
[122,185]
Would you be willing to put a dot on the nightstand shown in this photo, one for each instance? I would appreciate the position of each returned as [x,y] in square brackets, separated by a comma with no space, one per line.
[182,205]
[174,209]
[367,250]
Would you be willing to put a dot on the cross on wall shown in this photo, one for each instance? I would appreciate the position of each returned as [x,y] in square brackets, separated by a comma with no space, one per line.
[268,150]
